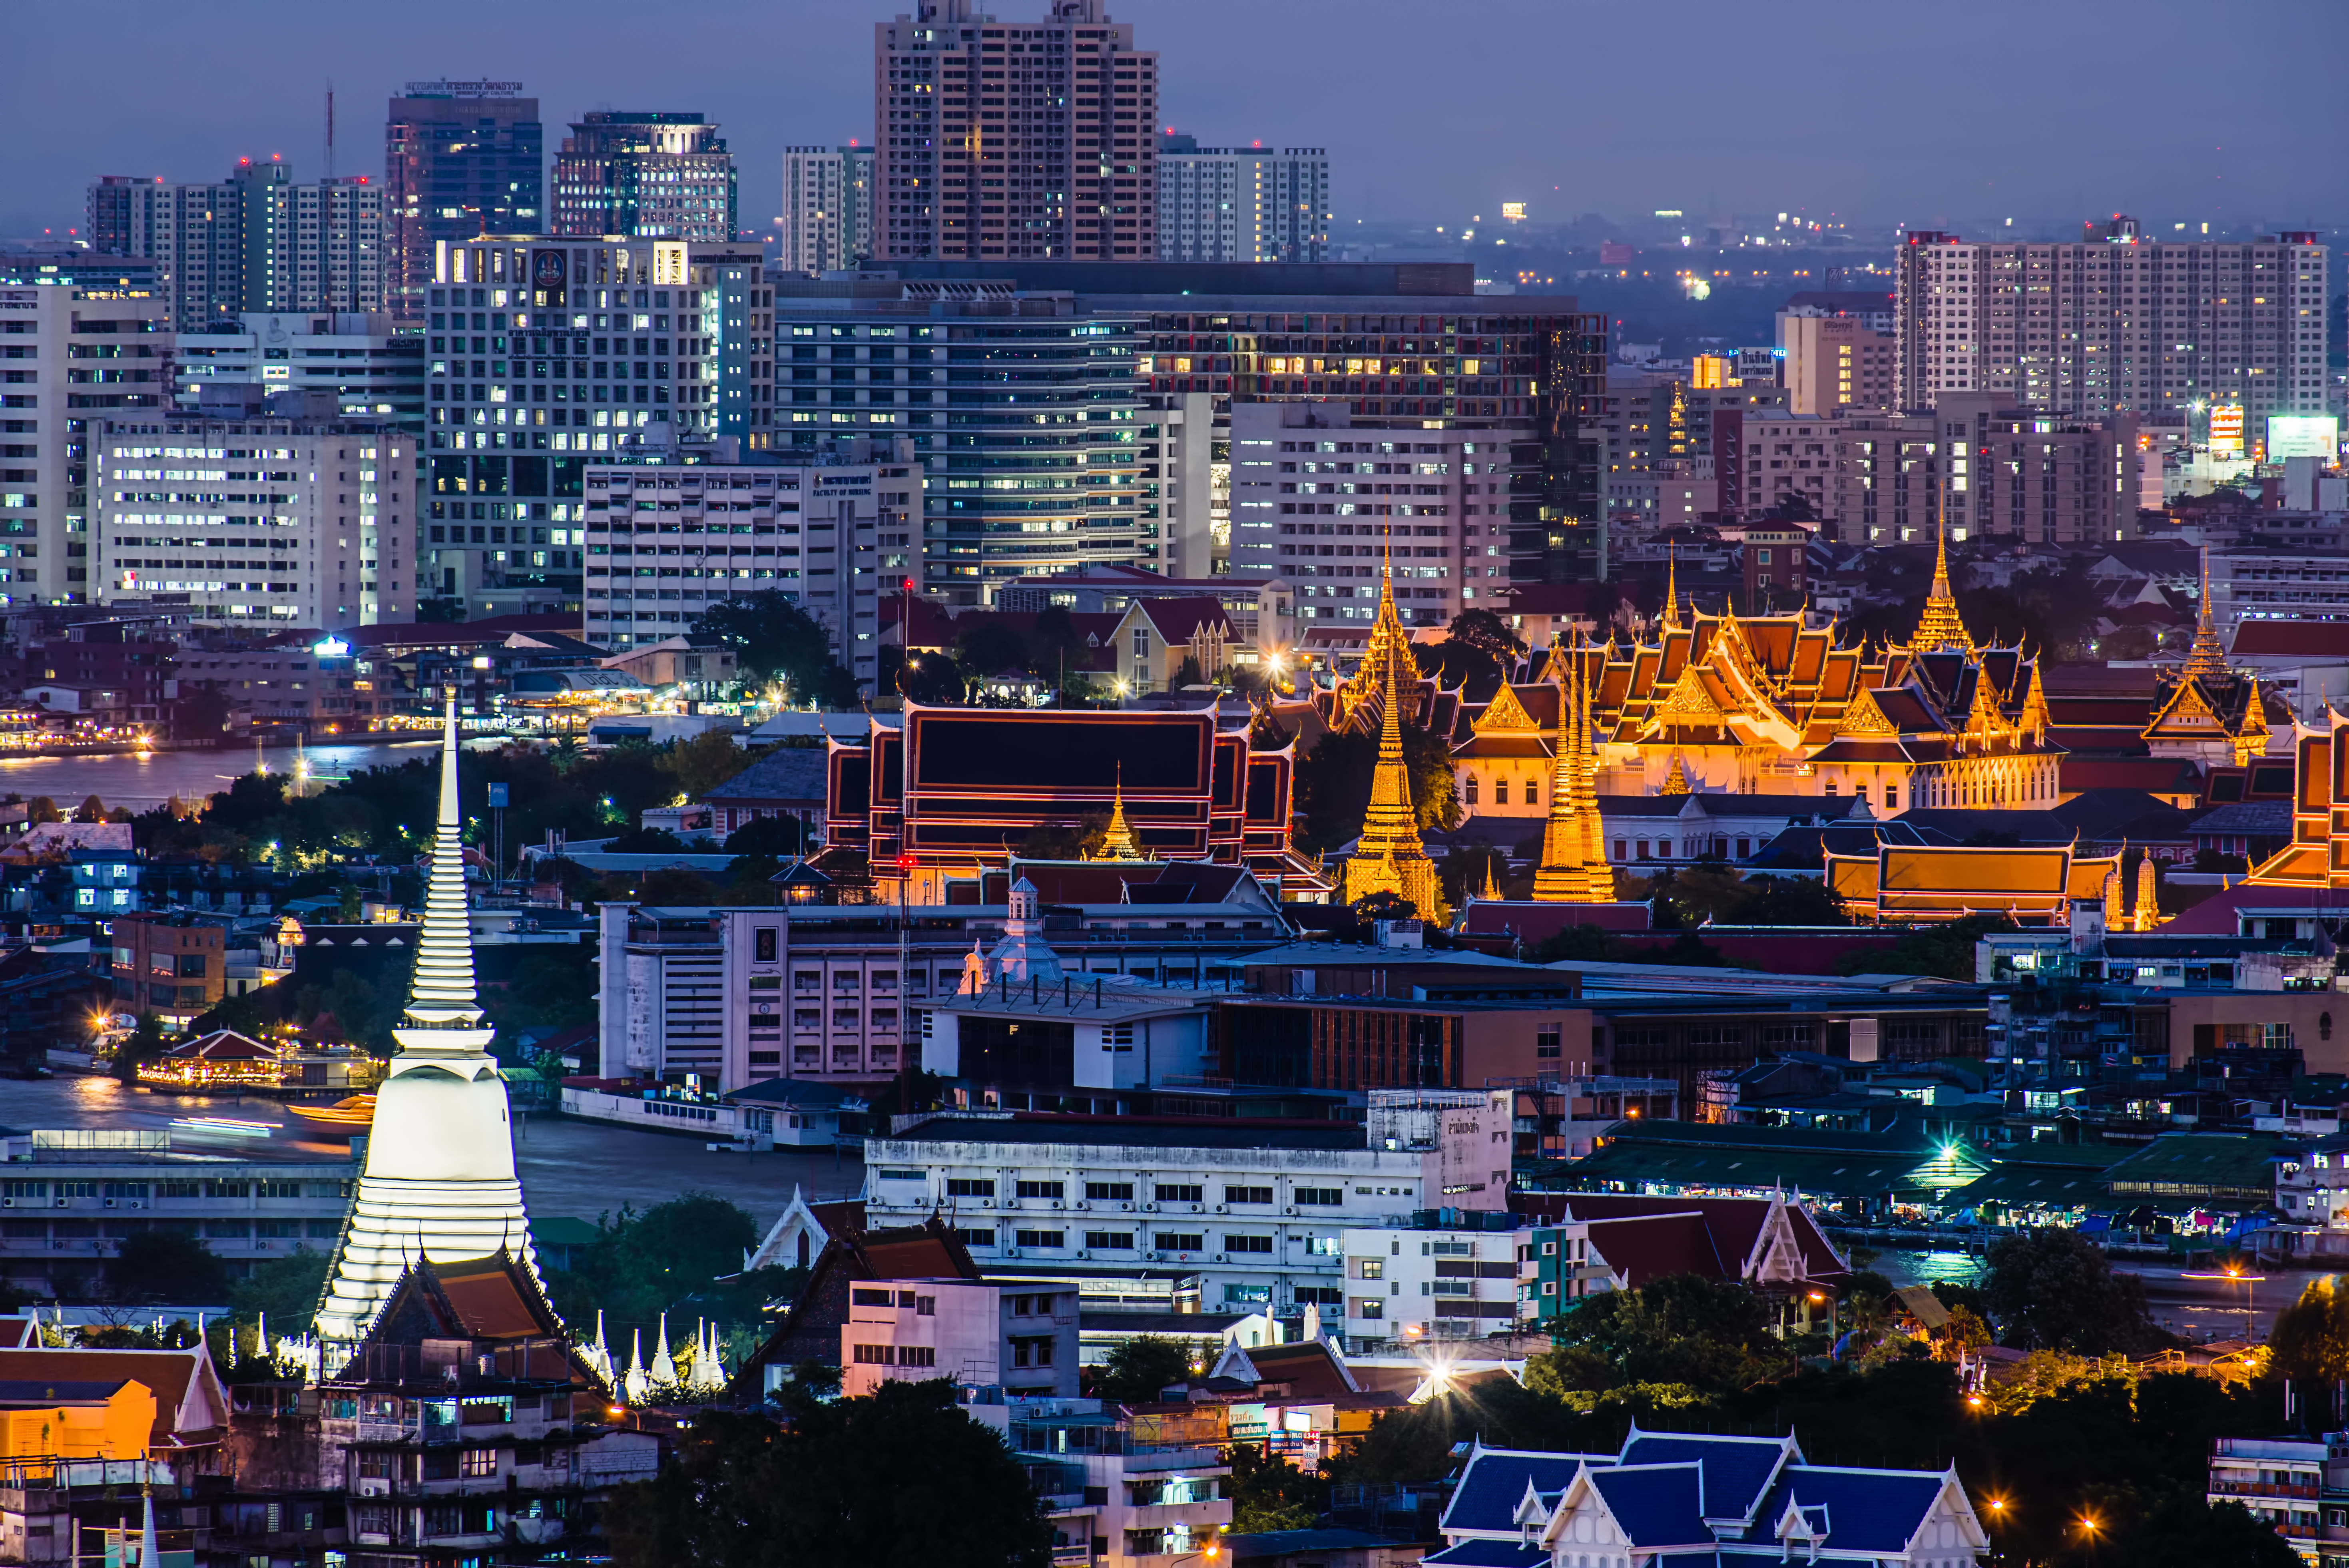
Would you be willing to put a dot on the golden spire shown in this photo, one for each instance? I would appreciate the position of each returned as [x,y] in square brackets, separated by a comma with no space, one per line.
[1119,844]
[1573,867]
[1672,588]
[2148,913]
[1491,893]
[2113,914]
[1941,627]
[1676,781]
[1389,856]
[1386,660]
[2206,658]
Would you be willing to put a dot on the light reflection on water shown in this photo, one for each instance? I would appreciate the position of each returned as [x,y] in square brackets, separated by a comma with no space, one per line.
[1905,1265]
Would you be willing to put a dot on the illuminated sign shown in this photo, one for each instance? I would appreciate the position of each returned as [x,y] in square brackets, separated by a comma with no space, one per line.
[2303,435]
[331,648]
[1514,212]
[2226,429]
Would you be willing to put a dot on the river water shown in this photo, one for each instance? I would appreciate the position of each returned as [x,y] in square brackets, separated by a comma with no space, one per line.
[142,780]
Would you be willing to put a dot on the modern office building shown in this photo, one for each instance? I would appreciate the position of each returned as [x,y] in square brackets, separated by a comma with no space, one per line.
[650,176]
[1242,204]
[827,208]
[374,371]
[2125,323]
[69,355]
[538,351]
[461,160]
[1010,140]
[257,512]
[827,531]
[743,353]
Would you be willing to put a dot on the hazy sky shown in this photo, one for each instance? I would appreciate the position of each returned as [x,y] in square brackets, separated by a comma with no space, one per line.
[1888,110]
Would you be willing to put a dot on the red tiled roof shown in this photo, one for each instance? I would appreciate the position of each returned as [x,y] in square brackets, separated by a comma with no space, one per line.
[2292,639]
[1177,619]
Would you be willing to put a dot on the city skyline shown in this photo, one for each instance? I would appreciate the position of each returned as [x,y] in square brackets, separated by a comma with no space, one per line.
[1616,139]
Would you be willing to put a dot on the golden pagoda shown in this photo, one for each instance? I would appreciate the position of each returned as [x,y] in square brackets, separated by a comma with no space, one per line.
[2148,913]
[1941,627]
[1118,844]
[1388,665]
[1389,856]
[2205,658]
[1676,781]
[2114,918]
[1573,868]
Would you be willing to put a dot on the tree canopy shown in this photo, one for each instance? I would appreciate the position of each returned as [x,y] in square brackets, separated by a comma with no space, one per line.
[901,1479]
[774,640]
[2055,1289]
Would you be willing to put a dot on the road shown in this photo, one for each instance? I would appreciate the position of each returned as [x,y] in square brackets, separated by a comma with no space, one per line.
[2196,1308]
[568,1167]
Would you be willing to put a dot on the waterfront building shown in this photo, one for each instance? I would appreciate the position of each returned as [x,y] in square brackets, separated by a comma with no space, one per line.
[439,1182]
[260,510]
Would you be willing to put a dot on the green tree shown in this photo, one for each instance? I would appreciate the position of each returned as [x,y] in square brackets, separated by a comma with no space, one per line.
[901,1479]
[645,1263]
[166,1266]
[932,680]
[143,1045]
[288,1289]
[1137,1369]
[989,649]
[1712,1335]
[1946,950]
[1271,1493]
[706,761]
[774,640]
[2055,1289]
[772,837]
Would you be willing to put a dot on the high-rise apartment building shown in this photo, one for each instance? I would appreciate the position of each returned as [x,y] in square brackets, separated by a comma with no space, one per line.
[69,355]
[1242,204]
[254,242]
[2121,323]
[115,219]
[653,176]
[1010,140]
[827,207]
[256,518]
[461,160]
[538,352]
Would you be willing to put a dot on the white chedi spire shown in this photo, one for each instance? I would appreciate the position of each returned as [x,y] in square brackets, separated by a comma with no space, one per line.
[635,1386]
[440,1181]
[599,1355]
[664,1366]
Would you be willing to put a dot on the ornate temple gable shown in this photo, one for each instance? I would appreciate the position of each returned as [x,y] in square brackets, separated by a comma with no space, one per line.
[1863,716]
[1985,723]
[2187,714]
[1690,704]
[1504,712]
[2031,720]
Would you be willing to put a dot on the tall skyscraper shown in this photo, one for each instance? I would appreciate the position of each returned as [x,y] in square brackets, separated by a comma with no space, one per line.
[118,218]
[995,140]
[827,207]
[655,176]
[2123,322]
[440,1180]
[461,160]
[1242,204]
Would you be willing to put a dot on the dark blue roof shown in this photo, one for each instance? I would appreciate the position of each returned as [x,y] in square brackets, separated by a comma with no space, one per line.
[1490,1554]
[1737,1470]
[1657,1505]
[1865,1510]
[1494,1482]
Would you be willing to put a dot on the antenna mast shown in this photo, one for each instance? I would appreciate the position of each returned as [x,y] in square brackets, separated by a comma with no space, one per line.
[330,131]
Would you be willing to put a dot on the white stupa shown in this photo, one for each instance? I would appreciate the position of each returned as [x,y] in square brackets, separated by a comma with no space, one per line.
[439,1180]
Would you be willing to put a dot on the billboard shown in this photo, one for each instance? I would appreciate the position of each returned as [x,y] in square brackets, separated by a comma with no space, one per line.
[2226,429]
[2303,435]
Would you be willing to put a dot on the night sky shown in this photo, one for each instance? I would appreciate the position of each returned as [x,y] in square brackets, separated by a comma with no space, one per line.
[1943,115]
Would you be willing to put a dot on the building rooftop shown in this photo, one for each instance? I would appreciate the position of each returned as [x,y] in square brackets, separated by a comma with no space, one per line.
[1096,1131]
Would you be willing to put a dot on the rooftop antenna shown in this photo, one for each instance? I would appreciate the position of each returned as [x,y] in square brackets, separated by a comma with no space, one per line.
[330,131]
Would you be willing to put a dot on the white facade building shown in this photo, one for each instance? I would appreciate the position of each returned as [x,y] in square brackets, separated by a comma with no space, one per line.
[1242,204]
[68,356]
[373,372]
[1260,1215]
[256,242]
[1018,1336]
[827,208]
[1416,1285]
[828,533]
[255,520]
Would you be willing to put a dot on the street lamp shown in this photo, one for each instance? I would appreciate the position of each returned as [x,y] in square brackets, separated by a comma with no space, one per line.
[2233,1272]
